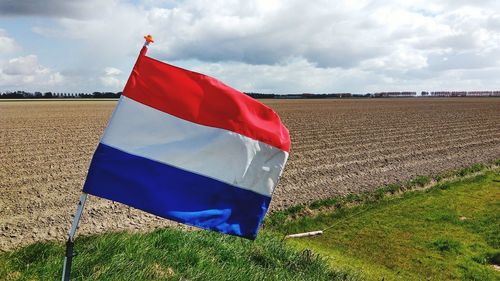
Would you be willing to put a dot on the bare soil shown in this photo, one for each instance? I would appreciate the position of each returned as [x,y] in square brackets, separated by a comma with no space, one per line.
[338,147]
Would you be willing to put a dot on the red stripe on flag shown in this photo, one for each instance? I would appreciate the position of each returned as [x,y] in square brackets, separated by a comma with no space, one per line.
[204,100]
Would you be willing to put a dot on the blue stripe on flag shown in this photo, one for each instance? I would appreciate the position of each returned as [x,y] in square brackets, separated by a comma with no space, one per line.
[174,193]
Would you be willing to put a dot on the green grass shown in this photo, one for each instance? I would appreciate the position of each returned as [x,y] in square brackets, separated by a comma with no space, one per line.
[470,170]
[169,254]
[448,232]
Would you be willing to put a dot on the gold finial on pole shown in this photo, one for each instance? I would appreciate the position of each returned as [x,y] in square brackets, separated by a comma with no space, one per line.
[149,39]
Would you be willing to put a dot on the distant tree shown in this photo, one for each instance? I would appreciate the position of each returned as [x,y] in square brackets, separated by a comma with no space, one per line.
[12,95]
[47,94]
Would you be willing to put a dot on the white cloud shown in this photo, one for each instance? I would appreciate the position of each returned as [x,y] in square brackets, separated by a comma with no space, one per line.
[284,46]
[294,76]
[111,79]
[113,31]
[111,82]
[112,71]
[7,44]
[27,73]
[23,66]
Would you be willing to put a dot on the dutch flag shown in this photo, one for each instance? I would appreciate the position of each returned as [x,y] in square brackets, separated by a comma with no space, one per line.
[186,147]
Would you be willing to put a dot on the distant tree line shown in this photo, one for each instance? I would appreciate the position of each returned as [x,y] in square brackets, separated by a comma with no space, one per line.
[49,95]
[462,94]
[39,95]
[111,95]
[302,96]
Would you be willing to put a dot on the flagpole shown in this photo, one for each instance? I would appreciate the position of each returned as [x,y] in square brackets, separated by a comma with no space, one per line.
[68,258]
[69,244]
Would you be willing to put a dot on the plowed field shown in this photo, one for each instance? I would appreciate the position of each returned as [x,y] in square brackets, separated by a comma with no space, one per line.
[338,147]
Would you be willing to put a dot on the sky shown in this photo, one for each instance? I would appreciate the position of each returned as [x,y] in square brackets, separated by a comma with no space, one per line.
[284,47]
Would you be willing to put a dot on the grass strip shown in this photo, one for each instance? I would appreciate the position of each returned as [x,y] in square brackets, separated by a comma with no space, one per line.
[446,232]
[169,254]
[446,227]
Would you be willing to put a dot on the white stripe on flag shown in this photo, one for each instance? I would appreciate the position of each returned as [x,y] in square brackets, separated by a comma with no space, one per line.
[220,154]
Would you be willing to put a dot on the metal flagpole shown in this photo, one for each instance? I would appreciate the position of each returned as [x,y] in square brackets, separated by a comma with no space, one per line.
[69,244]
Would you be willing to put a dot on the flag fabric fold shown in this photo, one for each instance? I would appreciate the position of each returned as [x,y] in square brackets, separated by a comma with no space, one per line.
[186,147]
